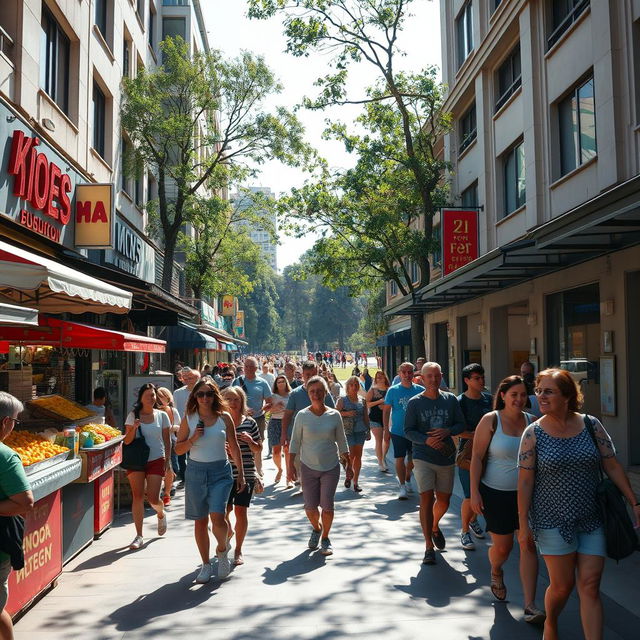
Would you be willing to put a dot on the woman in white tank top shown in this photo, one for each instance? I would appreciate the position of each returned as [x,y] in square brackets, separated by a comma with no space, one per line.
[494,489]
[204,432]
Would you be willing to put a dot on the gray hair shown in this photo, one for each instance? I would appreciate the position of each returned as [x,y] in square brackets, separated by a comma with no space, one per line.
[9,405]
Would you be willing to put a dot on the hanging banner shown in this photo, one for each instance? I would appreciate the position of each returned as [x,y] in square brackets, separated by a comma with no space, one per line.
[459,238]
[228,305]
[238,324]
[94,216]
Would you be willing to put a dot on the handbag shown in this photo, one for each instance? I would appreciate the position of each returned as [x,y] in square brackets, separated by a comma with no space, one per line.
[621,538]
[135,455]
[463,457]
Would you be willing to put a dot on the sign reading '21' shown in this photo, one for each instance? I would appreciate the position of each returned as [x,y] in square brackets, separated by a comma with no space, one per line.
[459,238]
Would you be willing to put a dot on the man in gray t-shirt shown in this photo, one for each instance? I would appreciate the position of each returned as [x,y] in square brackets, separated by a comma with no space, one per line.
[430,421]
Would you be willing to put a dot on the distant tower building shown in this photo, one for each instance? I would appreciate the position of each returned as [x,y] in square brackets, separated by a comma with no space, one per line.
[259,235]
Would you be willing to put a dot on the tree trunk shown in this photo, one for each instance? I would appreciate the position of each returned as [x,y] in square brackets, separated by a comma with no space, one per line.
[167,263]
[417,337]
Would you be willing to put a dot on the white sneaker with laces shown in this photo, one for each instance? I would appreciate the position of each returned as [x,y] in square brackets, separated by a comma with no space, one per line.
[162,525]
[475,527]
[224,564]
[409,489]
[402,493]
[204,575]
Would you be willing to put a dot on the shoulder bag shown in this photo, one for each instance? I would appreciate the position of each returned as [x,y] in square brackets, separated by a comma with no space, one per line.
[135,455]
[620,535]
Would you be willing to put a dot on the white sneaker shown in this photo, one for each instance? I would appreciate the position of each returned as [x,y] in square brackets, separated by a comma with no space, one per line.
[224,565]
[162,525]
[409,489]
[402,494]
[204,575]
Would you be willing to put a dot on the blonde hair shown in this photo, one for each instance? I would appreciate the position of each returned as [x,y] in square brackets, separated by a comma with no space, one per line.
[165,393]
[238,392]
[354,380]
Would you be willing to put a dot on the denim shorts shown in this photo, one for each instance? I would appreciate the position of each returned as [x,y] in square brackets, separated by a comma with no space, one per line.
[207,486]
[357,438]
[402,447]
[464,476]
[551,543]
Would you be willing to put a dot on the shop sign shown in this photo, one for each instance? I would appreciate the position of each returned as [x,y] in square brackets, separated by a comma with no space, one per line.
[94,216]
[210,316]
[103,502]
[228,305]
[42,553]
[131,253]
[459,238]
[39,183]
[238,324]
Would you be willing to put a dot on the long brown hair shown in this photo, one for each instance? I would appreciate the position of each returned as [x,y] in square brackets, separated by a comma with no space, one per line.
[503,387]
[218,405]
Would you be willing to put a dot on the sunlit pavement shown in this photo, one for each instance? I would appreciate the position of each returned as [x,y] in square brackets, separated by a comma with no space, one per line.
[374,585]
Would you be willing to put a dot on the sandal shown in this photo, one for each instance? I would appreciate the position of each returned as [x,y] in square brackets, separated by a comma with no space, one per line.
[357,487]
[347,482]
[498,587]
[278,477]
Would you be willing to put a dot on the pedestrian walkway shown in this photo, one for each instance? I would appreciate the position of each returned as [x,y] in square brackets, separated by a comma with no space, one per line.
[374,586]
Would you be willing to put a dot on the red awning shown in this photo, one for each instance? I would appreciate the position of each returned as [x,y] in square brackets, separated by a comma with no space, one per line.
[61,333]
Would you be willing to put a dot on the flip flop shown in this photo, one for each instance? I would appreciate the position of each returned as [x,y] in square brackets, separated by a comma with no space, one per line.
[498,588]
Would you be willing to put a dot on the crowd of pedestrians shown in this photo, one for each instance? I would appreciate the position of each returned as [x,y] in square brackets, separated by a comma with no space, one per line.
[527,461]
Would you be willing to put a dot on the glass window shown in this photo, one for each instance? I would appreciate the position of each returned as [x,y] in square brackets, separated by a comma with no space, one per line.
[468,128]
[563,14]
[140,8]
[101,17]
[152,26]
[577,124]
[514,179]
[99,115]
[436,255]
[469,196]
[393,288]
[173,27]
[54,61]
[509,77]
[464,33]
[124,180]
[126,58]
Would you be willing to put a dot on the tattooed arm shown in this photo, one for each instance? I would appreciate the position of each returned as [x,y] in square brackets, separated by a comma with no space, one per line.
[526,479]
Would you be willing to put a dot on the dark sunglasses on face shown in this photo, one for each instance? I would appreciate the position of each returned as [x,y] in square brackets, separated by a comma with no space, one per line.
[204,394]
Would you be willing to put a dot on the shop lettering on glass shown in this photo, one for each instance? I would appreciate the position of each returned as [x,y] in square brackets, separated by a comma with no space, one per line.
[459,238]
[128,249]
[41,184]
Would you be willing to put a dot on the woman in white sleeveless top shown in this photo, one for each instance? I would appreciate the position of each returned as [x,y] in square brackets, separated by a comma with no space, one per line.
[494,493]
[204,432]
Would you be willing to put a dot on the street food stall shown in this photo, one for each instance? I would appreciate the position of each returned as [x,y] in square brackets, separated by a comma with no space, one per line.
[37,366]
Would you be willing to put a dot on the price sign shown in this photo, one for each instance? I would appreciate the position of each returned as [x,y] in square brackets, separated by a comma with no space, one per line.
[459,238]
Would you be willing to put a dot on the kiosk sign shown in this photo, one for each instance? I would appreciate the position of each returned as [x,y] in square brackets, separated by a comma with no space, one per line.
[459,238]
[42,547]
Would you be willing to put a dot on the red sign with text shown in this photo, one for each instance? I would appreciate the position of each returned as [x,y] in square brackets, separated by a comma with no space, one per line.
[42,553]
[459,238]
[102,502]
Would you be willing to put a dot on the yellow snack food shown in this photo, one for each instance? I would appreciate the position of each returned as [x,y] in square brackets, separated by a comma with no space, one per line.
[62,407]
[31,447]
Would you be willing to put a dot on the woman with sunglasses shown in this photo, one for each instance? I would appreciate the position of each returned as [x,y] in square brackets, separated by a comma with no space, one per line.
[153,425]
[281,390]
[559,473]
[205,432]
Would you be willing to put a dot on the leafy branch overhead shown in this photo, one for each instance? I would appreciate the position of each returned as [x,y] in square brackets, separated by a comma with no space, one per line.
[197,123]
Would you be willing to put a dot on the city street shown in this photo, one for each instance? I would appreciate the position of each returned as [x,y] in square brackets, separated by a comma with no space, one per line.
[373,585]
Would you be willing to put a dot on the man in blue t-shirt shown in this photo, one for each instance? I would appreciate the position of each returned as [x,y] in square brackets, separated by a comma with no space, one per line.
[259,397]
[474,402]
[430,421]
[393,409]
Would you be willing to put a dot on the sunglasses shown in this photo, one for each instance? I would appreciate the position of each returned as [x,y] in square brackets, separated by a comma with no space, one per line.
[205,394]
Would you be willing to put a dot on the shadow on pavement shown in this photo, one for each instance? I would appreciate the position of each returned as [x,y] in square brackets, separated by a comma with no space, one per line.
[304,562]
[109,557]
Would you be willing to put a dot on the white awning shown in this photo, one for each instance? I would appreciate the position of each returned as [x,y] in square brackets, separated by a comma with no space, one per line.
[18,316]
[51,287]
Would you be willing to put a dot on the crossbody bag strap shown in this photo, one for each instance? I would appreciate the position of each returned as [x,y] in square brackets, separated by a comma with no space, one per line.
[588,423]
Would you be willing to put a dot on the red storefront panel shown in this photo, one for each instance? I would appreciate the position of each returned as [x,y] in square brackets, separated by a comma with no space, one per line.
[103,502]
[42,553]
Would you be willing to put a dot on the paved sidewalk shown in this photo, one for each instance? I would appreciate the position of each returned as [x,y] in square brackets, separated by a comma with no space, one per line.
[374,584]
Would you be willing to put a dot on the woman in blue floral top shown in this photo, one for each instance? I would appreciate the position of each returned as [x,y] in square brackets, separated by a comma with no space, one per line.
[557,483]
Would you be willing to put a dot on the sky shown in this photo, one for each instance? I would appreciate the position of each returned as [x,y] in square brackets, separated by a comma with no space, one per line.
[231,31]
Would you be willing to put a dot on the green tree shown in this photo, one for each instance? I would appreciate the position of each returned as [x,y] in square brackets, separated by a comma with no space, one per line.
[403,122]
[218,252]
[198,122]
[296,296]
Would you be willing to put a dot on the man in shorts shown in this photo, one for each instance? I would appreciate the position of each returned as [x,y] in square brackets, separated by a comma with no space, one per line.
[393,410]
[16,498]
[430,421]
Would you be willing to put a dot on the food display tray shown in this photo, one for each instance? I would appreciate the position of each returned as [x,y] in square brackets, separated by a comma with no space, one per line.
[36,409]
[36,467]
[104,445]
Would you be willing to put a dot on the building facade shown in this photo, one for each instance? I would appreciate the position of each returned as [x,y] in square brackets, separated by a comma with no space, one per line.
[546,144]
